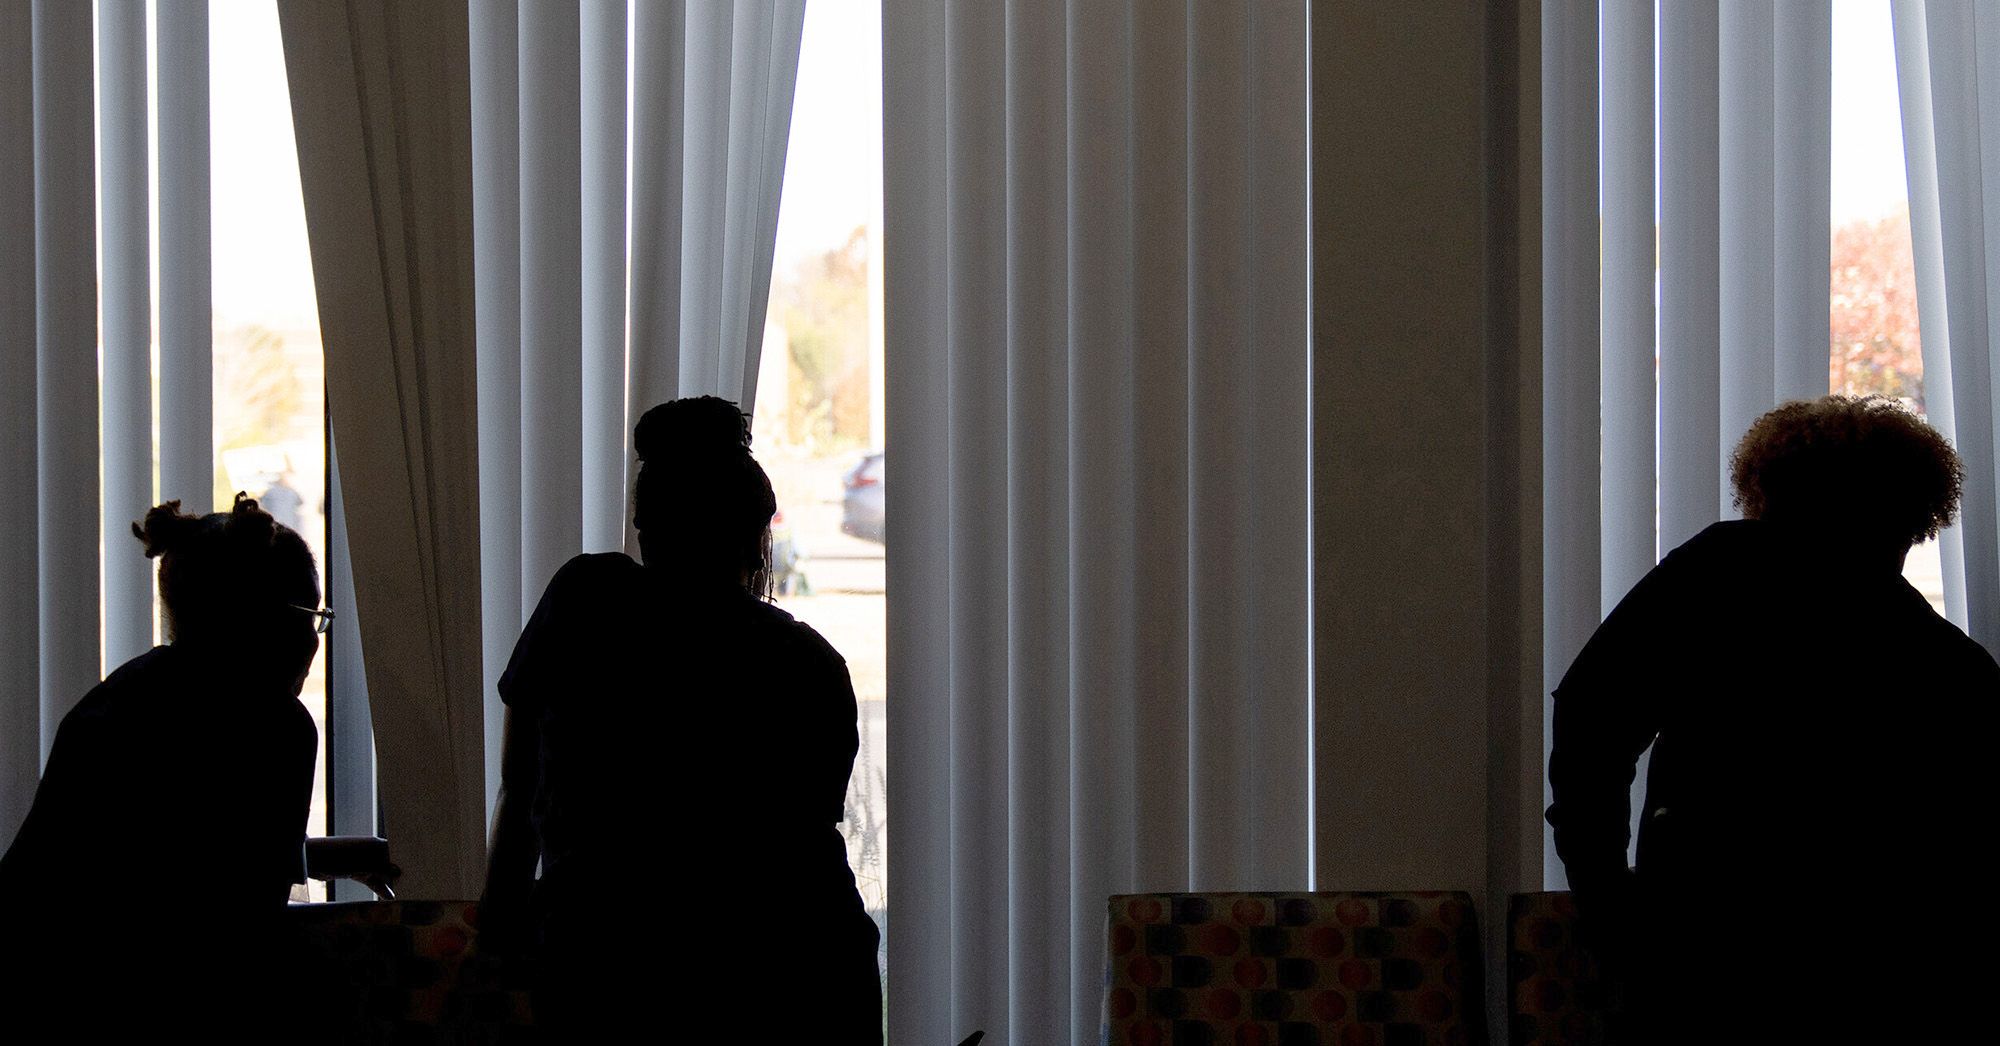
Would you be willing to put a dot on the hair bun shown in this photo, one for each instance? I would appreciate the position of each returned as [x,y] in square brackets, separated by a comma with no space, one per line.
[164,529]
[698,425]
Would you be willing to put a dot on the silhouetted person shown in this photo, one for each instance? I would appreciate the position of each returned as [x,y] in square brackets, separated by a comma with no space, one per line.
[187,773]
[677,755]
[1819,737]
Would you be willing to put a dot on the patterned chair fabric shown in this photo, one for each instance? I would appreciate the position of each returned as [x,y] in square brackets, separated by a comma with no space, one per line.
[408,972]
[1294,969]
[1556,995]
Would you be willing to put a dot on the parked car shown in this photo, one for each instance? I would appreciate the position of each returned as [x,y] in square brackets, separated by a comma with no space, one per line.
[861,508]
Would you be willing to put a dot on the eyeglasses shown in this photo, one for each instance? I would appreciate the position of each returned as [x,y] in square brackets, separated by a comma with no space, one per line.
[324,624]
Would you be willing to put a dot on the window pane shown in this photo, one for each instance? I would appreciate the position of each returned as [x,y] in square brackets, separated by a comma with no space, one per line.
[818,418]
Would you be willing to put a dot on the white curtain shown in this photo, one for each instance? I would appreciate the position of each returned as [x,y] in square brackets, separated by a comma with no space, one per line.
[382,117]
[1948,71]
[1097,351]
[565,365]
[74,144]
[1739,135]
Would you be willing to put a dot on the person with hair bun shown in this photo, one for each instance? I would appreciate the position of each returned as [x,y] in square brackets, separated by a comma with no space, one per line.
[188,769]
[1818,736]
[676,760]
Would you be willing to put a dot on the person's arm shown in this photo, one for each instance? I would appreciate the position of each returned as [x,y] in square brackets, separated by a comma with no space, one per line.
[1607,710]
[362,858]
[510,869]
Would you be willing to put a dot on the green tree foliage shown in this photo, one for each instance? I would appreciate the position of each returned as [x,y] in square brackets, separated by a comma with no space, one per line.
[823,306]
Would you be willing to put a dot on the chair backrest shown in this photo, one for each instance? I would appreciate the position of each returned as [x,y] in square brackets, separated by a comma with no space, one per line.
[1294,969]
[1556,994]
[406,971]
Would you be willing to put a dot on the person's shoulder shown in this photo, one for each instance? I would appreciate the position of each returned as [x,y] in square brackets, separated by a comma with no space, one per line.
[594,574]
[130,681]
[803,638]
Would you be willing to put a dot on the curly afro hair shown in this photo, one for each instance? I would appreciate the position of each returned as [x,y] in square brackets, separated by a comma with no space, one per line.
[1862,464]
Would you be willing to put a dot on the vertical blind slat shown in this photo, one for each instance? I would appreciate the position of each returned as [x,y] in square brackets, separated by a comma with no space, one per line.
[1037,449]
[1570,332]
[603,394]
[66,354]
[977,512]
[494,31]
[551,292]
[659,63]
[20,625]
[186,393]
[1962,211]
[1272,378]
[1802,172]
[766,152]
[704,224]
[1100,495]
[915,245]
[1747,215]
[1690,259]
[1927,242]
[1625,130]
[127,305]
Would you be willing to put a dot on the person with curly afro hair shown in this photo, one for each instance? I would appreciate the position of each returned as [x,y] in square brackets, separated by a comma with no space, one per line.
[1815,729]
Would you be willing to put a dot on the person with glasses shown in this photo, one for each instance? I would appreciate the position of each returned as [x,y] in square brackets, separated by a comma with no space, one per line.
[676,760]
[187,772]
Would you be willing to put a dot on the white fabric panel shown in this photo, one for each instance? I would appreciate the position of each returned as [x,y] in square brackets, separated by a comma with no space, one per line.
[1098,375]
[494,27]
[1802,172]
[1964,50]
[187,350]
[1570,358]
[603,391]
[381,110]
[1626,191]
[1748,265]
[20,626]
[66,357]
[127,311]
[1927,241]
[1690,261]
[551,293]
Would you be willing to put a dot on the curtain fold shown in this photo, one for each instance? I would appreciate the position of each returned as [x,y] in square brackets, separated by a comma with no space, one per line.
[20,576]
[1948,66]
[1096,284]
[382,112]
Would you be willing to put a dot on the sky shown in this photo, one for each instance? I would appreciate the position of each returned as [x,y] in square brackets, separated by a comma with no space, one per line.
[1868,176]
[833,176]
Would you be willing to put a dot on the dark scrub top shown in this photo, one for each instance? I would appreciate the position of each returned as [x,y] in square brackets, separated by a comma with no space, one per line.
[695,747]
[1818,757]
[165,834]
